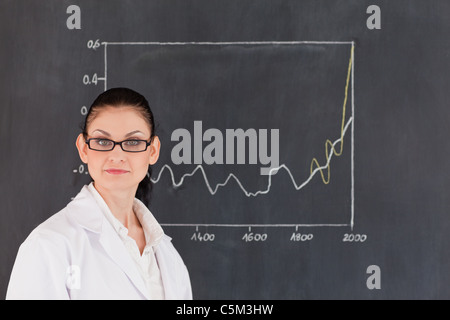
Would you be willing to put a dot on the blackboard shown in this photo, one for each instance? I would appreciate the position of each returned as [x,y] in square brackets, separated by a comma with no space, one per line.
[359,86]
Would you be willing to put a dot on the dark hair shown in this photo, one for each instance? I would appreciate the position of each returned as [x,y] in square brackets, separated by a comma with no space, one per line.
[119,97]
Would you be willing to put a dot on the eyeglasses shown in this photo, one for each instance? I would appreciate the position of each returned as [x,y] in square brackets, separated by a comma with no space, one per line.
[98,144]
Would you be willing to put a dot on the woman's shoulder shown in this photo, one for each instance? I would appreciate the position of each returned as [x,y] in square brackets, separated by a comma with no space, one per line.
[62,225]
[42,260]
[55,229]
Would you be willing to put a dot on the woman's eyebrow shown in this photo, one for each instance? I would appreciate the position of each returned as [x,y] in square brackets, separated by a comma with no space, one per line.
[126,136]
[132,133]
[103,132]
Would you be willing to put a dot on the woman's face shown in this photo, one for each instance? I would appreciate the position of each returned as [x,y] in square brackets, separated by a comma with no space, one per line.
[117,169]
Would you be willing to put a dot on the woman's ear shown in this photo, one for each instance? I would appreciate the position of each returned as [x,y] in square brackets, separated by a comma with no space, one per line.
[82,148]
[154,147]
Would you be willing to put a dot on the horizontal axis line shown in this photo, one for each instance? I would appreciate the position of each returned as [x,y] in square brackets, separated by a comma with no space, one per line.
[251,225]
[228,43]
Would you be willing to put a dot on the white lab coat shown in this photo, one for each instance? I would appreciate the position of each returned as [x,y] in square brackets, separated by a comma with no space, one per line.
[77,254]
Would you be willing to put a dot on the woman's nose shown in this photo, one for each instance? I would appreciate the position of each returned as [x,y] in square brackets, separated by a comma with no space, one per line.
[117,154]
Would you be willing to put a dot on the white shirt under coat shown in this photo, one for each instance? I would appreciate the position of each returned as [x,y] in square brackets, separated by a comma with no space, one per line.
[78,254]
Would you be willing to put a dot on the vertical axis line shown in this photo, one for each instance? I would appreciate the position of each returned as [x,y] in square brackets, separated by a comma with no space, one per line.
[106,66]
[352,161]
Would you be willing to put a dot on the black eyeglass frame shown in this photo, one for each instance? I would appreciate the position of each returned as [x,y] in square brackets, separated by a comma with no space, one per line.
[147,143]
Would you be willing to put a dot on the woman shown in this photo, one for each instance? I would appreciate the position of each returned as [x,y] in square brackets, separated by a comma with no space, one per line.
[105,244]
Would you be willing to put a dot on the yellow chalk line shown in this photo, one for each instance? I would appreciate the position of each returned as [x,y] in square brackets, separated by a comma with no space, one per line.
[328,143]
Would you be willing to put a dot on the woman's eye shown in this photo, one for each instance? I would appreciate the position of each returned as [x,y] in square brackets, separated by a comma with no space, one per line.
[132,142]
[104,142]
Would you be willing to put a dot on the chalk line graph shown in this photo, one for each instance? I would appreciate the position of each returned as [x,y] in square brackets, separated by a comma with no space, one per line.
[331,148]
[213,190]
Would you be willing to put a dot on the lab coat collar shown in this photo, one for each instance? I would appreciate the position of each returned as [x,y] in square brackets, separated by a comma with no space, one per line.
[85,212]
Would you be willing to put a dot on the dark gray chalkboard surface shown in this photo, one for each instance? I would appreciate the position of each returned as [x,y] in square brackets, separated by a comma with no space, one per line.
[304,72]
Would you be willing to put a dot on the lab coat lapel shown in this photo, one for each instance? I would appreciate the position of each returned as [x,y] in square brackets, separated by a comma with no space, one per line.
[168,273]
[115,248]
[85,211]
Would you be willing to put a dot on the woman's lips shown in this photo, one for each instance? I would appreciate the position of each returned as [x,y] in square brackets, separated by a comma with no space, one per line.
[116,171]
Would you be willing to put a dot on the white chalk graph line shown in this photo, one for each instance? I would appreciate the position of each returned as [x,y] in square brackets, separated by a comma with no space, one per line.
[232,176]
